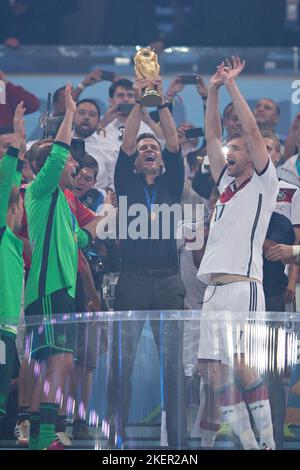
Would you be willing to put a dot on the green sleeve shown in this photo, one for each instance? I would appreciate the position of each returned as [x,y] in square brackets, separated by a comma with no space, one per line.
[7,174]
[83,237]
[49,176]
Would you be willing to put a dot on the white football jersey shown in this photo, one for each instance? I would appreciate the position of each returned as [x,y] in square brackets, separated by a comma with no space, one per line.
[288,202]
[239,225]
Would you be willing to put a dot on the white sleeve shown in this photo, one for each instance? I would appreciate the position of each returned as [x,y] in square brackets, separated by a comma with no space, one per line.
[295,208]
[269,179]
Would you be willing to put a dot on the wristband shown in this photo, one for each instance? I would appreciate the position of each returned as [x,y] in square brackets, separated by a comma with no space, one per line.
[81,86]
[138,102]
[162,106]
[296,250]
[20,165]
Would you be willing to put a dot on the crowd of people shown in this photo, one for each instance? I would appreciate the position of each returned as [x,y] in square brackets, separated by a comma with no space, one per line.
[161,23]
[59,195]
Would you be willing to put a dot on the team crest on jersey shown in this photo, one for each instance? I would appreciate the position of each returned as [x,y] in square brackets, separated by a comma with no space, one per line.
[61,340]
[280,196]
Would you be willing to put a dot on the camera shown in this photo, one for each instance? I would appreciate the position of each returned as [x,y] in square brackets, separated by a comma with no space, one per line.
[95,261]
[189,79]
[96,264]
[125,108]
[50,124]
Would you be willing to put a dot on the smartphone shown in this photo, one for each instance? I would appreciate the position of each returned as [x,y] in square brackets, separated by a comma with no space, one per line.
[107,75]
[78,150]
[189,79]
[193,133]
[125,108]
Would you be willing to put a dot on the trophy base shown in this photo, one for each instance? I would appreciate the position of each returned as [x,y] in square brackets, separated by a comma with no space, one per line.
[151,98]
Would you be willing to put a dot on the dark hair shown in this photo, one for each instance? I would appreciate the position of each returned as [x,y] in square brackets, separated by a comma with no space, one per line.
[123,82]
[147,135]
[272,136]
[38,154]
[14,196]
[90,162]
[56,94]
[227,110]
[6,130]
[89,100]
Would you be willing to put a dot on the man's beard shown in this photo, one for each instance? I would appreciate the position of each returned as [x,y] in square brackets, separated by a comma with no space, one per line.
[84,133]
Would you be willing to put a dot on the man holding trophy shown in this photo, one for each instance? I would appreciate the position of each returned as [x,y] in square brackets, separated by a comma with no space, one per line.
[149,278]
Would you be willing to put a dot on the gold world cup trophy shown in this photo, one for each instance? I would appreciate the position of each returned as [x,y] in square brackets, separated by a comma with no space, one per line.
[147,66]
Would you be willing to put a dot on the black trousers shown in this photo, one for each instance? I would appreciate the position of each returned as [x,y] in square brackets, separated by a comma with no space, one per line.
[138,292]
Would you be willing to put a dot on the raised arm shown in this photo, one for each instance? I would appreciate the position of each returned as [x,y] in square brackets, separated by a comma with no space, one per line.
[213,128]
[254,139]
[65,131]
[134,119]
[167,123]
[9,162]
[49,176]
[90,79]
[156,129]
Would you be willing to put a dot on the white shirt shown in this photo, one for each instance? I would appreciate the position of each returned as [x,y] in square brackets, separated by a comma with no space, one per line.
[95,149]
[239,225]
[288,171]
[288,202]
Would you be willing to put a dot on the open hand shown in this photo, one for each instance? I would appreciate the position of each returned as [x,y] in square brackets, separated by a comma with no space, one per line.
[19,125]
[232,69]
[69,102]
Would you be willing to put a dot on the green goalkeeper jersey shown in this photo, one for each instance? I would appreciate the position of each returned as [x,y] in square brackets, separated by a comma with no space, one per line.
[53,230]
[11,260]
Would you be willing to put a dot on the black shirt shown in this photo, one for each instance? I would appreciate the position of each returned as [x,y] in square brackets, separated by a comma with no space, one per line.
[149,253]
[280,230]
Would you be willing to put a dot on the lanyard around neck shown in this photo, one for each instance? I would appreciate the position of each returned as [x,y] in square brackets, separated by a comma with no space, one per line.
[150,197]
